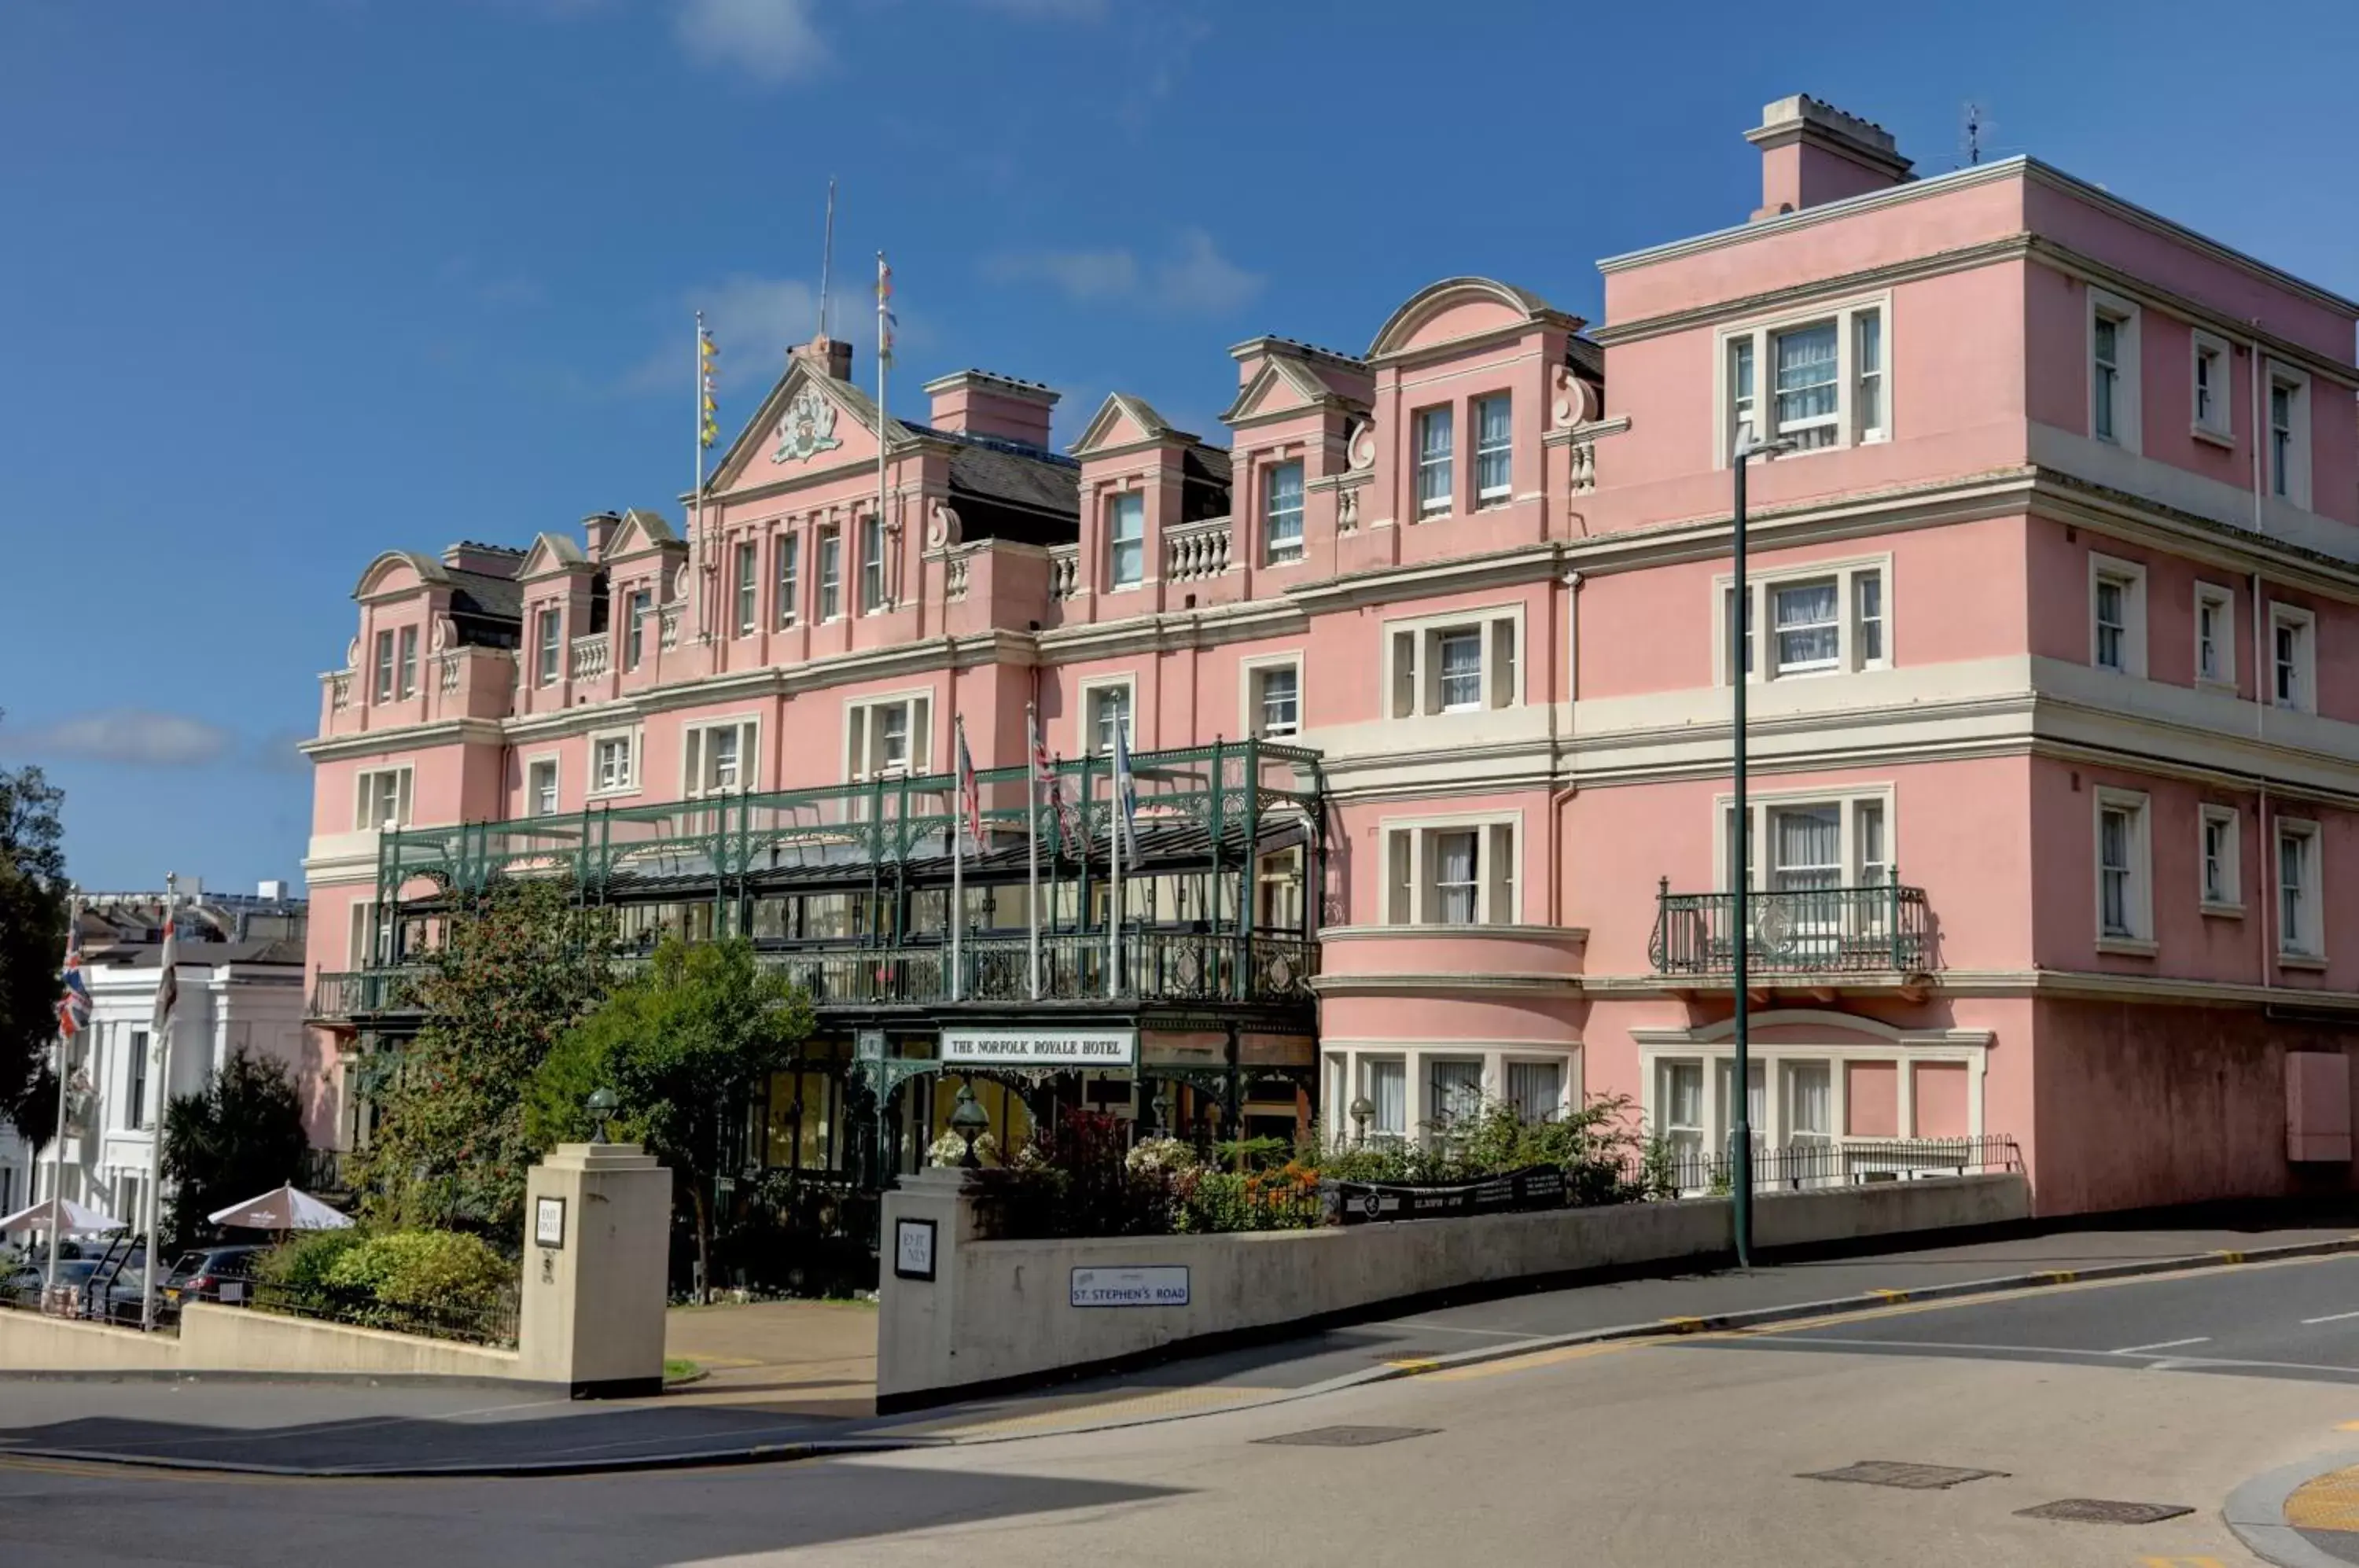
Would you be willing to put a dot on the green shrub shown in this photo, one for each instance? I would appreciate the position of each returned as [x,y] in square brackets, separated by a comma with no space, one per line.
[425,1268]
[306,1263]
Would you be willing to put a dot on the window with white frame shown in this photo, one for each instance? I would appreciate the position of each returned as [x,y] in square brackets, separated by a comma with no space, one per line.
[720,759]
[384,687]
[1274,700]
[745,589]
[831,573]
[1127,539]
[381,799]
[1495,440]
[2220,882]
[1808,1089]
[1436,454]
[2293,664]
[408,686]
[550,645]
[2299,930]
[2213,412]
[1384,1080]
[1536,1090]
[1453,1089]
[872,564]
[886,737]
[1453,664]
[1105,708]
[1823,619]
[1450,871]
[638,610]
[360,935]
[1678,1107]
[2117,614]
[786,558]
[540,786]
[2215,635]
[134,1088]
[1802,844]
[2125,902]
[2114,370]
[1829,382]
[613,761]
[1281,514]
[2289,435]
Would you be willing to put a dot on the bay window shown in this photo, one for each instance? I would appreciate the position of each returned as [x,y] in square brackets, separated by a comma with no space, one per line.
[1385,1083]
[1450,871]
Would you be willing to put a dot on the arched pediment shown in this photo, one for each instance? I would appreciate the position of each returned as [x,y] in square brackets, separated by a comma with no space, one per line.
[1459,308]
[398,572]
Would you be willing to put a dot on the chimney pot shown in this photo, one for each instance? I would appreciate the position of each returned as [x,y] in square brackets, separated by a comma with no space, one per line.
[978,403]
[1812,152]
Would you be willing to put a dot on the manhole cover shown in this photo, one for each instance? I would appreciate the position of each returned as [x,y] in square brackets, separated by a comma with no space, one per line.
[2096,1510]
[1349,1436]
[1896,1473]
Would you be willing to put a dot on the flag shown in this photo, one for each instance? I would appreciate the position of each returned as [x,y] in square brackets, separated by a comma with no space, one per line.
[1052,790]
[970,789]
[73,1000]
[1124,827]
[167,983]
[886,320]
[707,354]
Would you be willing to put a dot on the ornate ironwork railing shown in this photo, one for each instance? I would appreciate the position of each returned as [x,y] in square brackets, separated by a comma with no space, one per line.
[1885,929]
[1675,1168]
[363,993]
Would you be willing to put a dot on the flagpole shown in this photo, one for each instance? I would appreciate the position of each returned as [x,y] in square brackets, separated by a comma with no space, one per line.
[1113,888]
[958,860]
[57,1150]
[1032,835]
[696,527]
[884,359]
[168,994]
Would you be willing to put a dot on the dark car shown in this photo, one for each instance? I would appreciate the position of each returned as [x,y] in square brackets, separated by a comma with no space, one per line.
[221,1274]
[22,1286]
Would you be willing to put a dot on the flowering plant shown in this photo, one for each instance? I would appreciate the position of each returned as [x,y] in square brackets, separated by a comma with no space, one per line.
[951,1150]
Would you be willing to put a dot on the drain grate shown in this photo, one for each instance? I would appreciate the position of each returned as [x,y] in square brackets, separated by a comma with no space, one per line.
[2096,1510]
[1897,1473]
[1350,1436]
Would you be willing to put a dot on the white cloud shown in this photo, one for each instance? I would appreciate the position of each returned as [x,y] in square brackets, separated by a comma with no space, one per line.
[1200,280]
[772,41]
[754,320]
[136,737]
[1077,273]
[1196,279]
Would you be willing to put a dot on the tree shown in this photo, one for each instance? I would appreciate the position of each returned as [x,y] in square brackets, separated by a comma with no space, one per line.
[679,1045]
[239,1137]
[520,965]
[32,944]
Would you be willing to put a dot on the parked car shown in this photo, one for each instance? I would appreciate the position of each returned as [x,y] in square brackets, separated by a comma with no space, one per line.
[213,1274]
[22,1286]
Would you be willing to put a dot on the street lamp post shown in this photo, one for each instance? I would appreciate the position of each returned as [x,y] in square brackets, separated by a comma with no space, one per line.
[1740,639]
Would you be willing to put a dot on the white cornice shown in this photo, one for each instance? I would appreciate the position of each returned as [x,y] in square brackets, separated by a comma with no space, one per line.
[370,742]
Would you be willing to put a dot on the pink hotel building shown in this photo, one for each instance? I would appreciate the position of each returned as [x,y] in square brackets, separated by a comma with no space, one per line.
[2052,633]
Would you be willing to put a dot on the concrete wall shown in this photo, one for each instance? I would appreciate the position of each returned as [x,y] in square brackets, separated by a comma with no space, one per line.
[1001,1311]
[239,1339]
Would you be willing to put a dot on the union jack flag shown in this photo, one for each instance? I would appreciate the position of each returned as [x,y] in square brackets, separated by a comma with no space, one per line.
[73,1000]
[970,791]
[1069,824]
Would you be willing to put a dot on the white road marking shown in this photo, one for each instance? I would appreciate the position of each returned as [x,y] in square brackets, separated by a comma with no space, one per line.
[2330,1317]
[2160,1345]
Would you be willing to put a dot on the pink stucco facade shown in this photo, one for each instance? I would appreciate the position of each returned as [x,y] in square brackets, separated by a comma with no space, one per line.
[2053,668]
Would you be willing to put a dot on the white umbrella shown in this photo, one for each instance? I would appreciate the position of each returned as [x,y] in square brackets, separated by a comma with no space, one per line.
[281,1208]
[79,1220]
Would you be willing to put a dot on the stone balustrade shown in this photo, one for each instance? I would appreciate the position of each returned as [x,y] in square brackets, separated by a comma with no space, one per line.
[955,575]
[668,626]
[340,689]
[448,666]
[1195,552]
[1064,571]
[590,656]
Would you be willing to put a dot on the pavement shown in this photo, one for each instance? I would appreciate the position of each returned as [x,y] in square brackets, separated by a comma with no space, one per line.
[796,1380]
[1941,1432]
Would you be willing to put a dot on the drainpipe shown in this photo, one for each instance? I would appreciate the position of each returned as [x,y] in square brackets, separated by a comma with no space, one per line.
[1558,797]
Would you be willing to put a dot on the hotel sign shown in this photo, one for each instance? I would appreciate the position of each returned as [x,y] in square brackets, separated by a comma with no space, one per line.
[1114,1048]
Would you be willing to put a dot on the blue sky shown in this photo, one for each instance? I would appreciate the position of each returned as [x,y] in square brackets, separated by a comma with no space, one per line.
[289,282]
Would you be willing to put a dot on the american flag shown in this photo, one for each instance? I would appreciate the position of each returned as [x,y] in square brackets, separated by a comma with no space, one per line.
[970,789]
[1068,828]
[73,1001]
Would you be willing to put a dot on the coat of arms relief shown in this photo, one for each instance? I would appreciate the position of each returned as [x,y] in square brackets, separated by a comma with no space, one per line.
[807,429]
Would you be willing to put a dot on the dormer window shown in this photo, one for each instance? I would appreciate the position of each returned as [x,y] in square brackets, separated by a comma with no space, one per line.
[383,686]
[548,645]
[1281,529]
[1493,451]
[409,676]
[1436,447]
[1127,540]
[634,635]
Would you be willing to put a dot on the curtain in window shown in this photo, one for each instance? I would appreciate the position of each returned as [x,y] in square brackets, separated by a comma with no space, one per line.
[1453,879]
[1453,1089]
[1808,636]
[1388,1092]
[1806,384]
[1536,1089]
[1806,848]
[1282,530]
[1128,521]
[1461,669]
[1493,441]
[2292,936]
[1434,442]
[1867,597]
[1872,868]
[1810,1101]
[2113,877]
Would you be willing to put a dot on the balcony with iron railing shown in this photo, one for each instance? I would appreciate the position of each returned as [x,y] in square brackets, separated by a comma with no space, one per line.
[1882,930]
[1159,968]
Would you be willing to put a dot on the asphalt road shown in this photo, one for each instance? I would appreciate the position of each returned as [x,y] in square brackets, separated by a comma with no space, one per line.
[1692,1450]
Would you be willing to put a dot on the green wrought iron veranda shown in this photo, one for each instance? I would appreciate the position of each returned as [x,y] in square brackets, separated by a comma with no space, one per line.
[1207,809]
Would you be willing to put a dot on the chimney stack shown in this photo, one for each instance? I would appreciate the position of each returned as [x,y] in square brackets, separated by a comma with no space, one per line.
[978,403]
[598,528]
[829,357]
[1813,153]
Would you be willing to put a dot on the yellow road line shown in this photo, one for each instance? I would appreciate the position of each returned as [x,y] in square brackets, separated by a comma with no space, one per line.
[1539,1358]
[1684,1325]
[2326,1502]
[1415,1365]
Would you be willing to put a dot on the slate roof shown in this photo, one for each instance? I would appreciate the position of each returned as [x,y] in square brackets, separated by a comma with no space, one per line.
[270,950]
